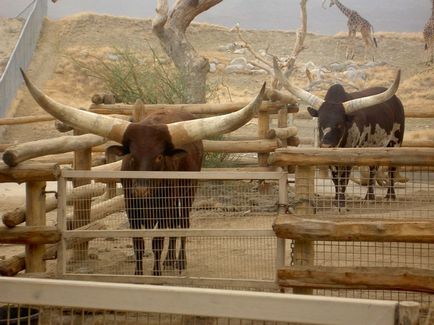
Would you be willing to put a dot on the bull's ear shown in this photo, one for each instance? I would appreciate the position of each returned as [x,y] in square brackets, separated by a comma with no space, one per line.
[312,111]
[117,150]
[176,153]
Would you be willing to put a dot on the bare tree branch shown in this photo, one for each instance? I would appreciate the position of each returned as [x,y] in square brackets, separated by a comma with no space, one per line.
[288,65]
[170,27]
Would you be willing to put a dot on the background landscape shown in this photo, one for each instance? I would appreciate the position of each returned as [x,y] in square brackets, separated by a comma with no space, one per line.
[384,15]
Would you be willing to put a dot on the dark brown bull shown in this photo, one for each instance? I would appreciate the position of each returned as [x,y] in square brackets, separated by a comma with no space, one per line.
[372,117]
[163,141]
[159,203]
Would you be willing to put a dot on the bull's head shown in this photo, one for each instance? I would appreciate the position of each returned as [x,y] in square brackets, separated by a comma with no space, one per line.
[165,139]
[333,115]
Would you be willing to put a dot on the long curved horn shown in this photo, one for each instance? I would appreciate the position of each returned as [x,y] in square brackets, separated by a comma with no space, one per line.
[304,95]
[354,105]
[193,130]
[109,127]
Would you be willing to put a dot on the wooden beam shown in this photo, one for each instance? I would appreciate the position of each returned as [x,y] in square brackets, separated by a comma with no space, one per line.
[212,108]
[25,119]
[19,215]
[353,156]
[282,132]
[262,146]
[370,278]
[15,264]
[24,151]
[28,172]
[290,227]
[29,235]
[421,143]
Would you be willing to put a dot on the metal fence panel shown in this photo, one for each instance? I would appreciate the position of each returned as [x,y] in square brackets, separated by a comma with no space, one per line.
[22,54]
[414,201]
[229,240]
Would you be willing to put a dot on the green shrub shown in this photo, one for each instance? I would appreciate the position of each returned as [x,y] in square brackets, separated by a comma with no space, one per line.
[130,77]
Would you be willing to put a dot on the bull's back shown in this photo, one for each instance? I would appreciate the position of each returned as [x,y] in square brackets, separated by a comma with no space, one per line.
[388,115]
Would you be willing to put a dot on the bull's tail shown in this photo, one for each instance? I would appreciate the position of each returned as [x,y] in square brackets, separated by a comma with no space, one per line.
[426,46]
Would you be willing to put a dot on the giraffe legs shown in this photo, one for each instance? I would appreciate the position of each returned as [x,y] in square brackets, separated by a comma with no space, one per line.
[349,55]
[369,45]
[430,52]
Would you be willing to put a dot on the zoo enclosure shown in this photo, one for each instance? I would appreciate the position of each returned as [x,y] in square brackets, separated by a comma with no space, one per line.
[22,54]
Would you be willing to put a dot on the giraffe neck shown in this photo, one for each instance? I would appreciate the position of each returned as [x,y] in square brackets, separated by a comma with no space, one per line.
[346,11]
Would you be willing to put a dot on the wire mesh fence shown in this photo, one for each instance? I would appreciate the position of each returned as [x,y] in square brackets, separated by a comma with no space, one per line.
[20,58]
[221,221]
[227,222]
[354,195]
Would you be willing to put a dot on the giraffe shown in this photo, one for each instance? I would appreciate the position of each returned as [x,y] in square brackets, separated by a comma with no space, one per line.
[428,36]
[356,23]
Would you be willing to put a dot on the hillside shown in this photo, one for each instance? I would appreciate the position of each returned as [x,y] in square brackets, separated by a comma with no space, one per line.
[86,36]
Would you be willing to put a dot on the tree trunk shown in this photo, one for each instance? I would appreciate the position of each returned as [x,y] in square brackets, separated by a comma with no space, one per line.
[170,29]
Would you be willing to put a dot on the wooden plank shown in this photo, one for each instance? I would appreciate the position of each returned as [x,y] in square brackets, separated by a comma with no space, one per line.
[370,278]
[29,235]
[353,156]
[24,151]
[29,172]
[291,227]
[25,119]
[128,233]
[229,175]
[263,146]
[19,215]
[211,108]
[198,302]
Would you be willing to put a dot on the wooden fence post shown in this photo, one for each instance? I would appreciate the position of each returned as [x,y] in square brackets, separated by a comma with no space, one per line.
[263,127]
[82,161]
[303,250]
[35,206]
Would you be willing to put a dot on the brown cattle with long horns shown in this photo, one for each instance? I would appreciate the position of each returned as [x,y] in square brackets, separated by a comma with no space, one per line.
[163,141]
[372,117]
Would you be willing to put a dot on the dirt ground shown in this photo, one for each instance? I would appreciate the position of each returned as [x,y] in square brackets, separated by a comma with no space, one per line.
[85,36]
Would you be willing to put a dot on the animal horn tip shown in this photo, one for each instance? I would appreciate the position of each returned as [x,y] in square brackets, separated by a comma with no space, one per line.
[23,73]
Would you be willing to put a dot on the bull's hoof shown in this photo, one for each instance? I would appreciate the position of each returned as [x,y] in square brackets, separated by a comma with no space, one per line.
[138,272]
[156,272]
[370,197]
[181,265]
[390,197]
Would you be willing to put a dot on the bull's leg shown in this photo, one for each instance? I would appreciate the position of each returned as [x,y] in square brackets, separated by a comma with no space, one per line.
[169,261]
[169,221]
[157,248]
[340,177]
[391,184]
[344,178]
[186,203]
[182,258]
[135,219]
[335,180]
[139,250]
[370,195]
